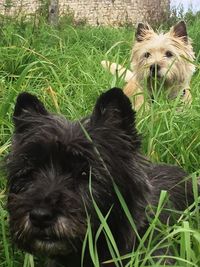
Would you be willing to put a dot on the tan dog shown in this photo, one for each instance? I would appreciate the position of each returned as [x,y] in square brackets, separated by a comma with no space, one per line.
[158,57]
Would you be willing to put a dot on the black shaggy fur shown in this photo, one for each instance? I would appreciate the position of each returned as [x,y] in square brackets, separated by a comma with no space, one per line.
[51,164]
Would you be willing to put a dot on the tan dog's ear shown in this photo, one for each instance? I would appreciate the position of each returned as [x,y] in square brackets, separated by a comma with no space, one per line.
[179,30]
[141,31]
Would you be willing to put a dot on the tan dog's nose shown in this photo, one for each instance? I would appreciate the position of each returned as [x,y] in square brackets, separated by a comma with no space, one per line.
[154,70]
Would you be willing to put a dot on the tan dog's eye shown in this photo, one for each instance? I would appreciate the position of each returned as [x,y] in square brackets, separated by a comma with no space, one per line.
[147,54]
[168,54]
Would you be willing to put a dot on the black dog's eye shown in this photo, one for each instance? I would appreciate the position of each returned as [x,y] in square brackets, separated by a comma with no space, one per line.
[84,174]
[168,54]
[147,54]
[20,182]
[18,186]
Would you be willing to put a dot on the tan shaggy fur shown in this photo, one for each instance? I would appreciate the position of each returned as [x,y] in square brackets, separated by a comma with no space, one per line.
[162,56]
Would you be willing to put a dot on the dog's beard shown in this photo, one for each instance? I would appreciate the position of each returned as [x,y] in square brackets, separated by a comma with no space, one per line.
[57,239]
[162,81]
[155,81]
[50,247]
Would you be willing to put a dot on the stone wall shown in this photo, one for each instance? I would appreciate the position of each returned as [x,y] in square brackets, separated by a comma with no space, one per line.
[16,7]
[97,12]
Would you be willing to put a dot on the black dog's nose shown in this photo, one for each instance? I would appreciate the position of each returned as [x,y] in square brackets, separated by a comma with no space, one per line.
[41,217]
[154,69]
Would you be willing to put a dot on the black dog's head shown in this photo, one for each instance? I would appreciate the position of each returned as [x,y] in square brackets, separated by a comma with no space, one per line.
[55,167]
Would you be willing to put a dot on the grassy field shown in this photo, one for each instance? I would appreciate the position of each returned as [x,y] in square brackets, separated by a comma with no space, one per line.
[62,67]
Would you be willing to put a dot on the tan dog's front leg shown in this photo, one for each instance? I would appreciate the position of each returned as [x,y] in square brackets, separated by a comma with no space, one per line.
[134,91]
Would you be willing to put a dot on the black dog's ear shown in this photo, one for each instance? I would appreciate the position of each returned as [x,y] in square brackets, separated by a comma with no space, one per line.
[180,30]
[141,30]
[27,104]
[114,108]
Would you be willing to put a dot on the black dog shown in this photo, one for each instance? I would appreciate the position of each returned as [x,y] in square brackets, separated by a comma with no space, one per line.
[58,168]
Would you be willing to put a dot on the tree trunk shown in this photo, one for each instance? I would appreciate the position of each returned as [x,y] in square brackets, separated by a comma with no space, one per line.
[53,12]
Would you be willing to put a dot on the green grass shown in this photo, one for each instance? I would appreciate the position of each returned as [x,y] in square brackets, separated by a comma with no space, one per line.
[62,67]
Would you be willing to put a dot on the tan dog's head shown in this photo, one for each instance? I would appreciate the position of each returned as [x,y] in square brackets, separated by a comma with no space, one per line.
[166,56]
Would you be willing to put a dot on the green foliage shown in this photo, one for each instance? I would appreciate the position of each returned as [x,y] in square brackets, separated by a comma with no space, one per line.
[62,67]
